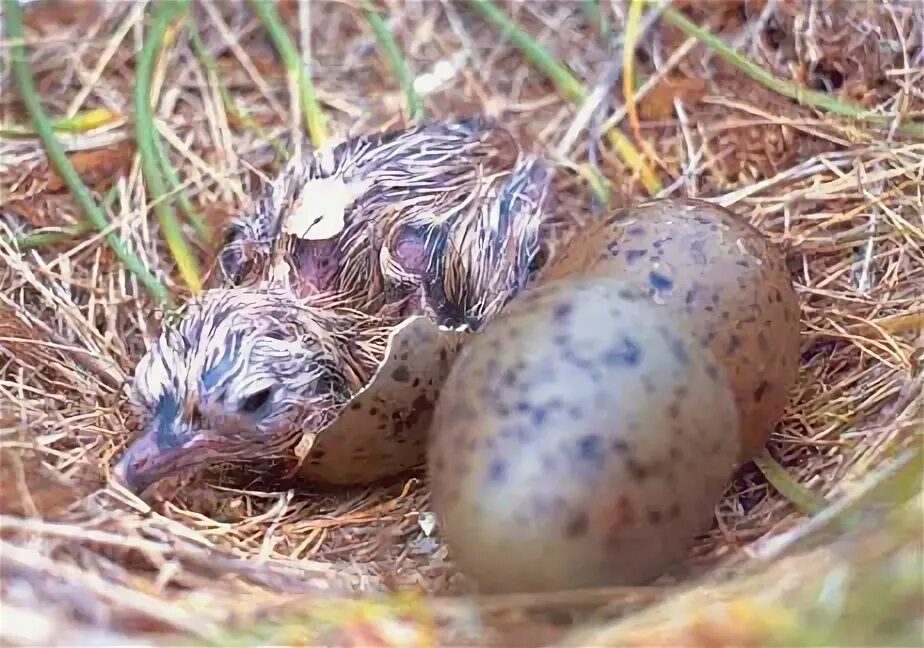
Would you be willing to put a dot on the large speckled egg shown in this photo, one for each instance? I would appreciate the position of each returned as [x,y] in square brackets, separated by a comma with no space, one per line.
[582,439]
[719,274]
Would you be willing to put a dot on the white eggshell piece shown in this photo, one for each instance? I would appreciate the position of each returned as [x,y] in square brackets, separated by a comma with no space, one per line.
[321,212]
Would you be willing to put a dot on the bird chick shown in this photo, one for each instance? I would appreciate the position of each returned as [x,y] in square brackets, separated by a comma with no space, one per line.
[429,220]
[242,376]
[495,250]
[321,224]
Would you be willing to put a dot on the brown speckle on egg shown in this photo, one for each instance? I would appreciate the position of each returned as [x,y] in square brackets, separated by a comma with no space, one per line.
[577,525]
[635,255]
[401,374]
[382,431]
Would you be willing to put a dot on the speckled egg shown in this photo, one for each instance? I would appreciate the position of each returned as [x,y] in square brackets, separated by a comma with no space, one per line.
[582,439]
[711,268]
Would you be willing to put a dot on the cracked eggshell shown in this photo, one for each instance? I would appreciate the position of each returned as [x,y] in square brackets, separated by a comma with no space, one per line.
[382,431]
[582,439]
[708,265]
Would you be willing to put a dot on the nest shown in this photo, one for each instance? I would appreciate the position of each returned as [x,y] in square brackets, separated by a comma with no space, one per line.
[216,562]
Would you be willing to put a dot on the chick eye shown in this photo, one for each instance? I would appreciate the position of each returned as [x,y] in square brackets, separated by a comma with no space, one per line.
[255,401]
[234,264]
[327,384]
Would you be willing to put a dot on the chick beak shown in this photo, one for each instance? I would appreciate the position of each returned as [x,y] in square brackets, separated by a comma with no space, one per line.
[145,462]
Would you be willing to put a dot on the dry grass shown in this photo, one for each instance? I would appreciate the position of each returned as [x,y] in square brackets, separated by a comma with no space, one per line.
[83,562]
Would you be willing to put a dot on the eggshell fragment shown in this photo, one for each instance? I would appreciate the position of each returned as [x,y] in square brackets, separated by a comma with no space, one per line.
[582,439]
[708,266]
[382,431]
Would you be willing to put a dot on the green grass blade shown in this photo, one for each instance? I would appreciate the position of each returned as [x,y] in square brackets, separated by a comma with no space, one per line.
[176,190]
[795,91]
[314,116]
[802,498]
[596,182]
[56,155]
[395,57]
[53,236]
[567,83]
[82,122]
[86,120]
[45,237]
[163,14]
[596,16]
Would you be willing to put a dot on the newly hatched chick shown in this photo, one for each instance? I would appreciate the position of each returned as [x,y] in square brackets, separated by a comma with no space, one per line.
[493,253]
[321,224]
[249,370]
[241,376]
[432,221]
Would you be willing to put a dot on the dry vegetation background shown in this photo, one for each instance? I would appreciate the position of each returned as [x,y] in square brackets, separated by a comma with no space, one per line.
[214,563]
